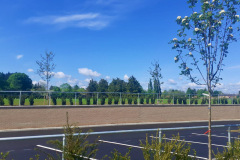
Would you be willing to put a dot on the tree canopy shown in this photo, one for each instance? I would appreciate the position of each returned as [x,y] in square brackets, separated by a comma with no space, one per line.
[19,82]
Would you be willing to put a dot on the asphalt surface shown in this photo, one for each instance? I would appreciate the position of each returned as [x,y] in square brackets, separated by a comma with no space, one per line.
[24,149]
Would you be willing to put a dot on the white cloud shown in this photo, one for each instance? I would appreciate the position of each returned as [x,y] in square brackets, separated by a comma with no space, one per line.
[34,82]
[125,77]
[87,80]
[30,70]
[61,75]
[19,56]
[107,77]
[171,82]
[88,20]
[88,72]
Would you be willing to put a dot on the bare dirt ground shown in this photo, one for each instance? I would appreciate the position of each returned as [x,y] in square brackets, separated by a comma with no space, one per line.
[41,117]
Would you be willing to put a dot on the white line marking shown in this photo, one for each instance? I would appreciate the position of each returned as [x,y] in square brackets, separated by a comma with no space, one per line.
[214,135]
[128,145]
[218,145]
[57,150]
[121,144]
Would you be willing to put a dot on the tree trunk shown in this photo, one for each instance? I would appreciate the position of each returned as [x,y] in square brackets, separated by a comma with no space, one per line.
[209,128]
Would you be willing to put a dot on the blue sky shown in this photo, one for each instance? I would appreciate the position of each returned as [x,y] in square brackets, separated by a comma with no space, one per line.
[99,39]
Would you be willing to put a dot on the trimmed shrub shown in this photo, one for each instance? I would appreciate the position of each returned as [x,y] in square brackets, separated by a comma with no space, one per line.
[80,100]
[129,100]
[116,100]
[10,100]
[109,101]
[63,101]
[141,101]
[88,101]
[135,100]
[203,101]
[147,100]
[94,101]
[175,100]
[184,101]
[152,100]
[196,101]
[1,101]
[123,101]
[180,100]
[22,101]
[214,101]
[191,101]
[31,100]
[102,101]
[70,101]
[169,100]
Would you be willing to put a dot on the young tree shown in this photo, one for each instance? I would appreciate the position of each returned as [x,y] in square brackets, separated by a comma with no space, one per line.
[102,87]
[46,67]
[150,86]
[65,87]
[157,76]
[205,36]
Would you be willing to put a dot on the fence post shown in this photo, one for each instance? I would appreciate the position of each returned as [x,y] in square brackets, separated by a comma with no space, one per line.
[97,98]
[120,98]
[49,98]
[229,136]
[138,98]
[20,96]
[160,135]
[75,98]
[63,147]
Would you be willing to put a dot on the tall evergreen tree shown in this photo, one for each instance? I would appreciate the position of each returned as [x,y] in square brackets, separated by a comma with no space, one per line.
[150,86]
[92,86]
[117,85]
[133,86]
[157,76]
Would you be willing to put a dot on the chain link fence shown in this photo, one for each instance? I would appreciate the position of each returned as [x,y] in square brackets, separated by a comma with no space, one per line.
[21,98]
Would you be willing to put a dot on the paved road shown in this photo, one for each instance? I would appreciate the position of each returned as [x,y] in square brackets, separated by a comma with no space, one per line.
[23,149]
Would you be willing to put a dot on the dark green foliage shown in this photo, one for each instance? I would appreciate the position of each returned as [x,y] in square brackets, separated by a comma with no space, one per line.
[116,100]
[175,100]
[3,156]
[192,101]
[19,82]
[94,101]
[152,100]
[63,101]
[118,156]
[102,101]
[10,100]
[230,153]
[135,100]
[133,86]
[147,100]
[77,147]
[92,86]
[109,101]
[123,101]
[141,101]
[88,101]
[65,87]
[180,100]
[129,100]
[70,101]
[184,101]
[166,150]
[80,100]
[203,101]
[169,100]
[117,85]
[196,101]
[22,101]
[31,100]
[235,101]
[1,101]
[214,101]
